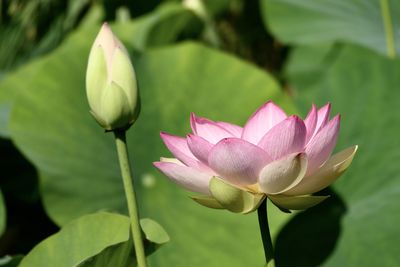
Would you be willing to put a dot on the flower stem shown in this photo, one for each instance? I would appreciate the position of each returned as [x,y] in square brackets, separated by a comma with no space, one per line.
[387,23]
[265,234]
[120,141]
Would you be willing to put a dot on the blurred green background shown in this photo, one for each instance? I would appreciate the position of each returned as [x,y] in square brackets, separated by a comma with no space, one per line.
[220,59]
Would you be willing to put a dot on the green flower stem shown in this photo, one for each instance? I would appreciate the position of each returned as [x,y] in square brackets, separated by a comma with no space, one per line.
[387,23]
[120,141]
[265,234]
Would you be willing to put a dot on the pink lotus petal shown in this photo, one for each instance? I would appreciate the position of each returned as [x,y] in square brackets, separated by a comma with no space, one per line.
[321,145]
[285,138]
[232,128]
[208,129]
[323,117]
[266,117]
[311,122]
[237,161]
[199,147]
[179,148]
[189,178]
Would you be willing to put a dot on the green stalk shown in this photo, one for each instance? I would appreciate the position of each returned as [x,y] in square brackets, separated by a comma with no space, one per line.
[120,141]
[387,23]
[265,234]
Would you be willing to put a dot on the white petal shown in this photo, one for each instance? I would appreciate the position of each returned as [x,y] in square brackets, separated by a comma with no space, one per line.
[172,160]
[281,175]
[326,175]
[296,202]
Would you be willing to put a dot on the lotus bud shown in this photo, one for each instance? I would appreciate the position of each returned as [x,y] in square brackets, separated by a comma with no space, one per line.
[111,85]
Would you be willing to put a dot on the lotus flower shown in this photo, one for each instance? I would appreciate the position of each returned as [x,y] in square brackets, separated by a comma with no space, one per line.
[283,158]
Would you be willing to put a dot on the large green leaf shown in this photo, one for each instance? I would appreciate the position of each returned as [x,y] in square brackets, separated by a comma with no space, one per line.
[4,114]
[117,255]
[79,174]
[121,255]
[95,240]
[363,87]
[306,72]
[49,42]
[314,21]
[80,240]
[160,27]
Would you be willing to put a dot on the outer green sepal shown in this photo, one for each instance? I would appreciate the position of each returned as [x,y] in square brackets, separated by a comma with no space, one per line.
[208,202]
[234,199]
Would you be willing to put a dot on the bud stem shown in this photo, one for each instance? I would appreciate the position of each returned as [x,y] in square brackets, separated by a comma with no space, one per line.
[120,141]
[388,26]
[265,233]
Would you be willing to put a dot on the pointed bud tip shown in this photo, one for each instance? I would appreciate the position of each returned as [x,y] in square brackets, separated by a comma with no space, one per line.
[105,30]
[105,25]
